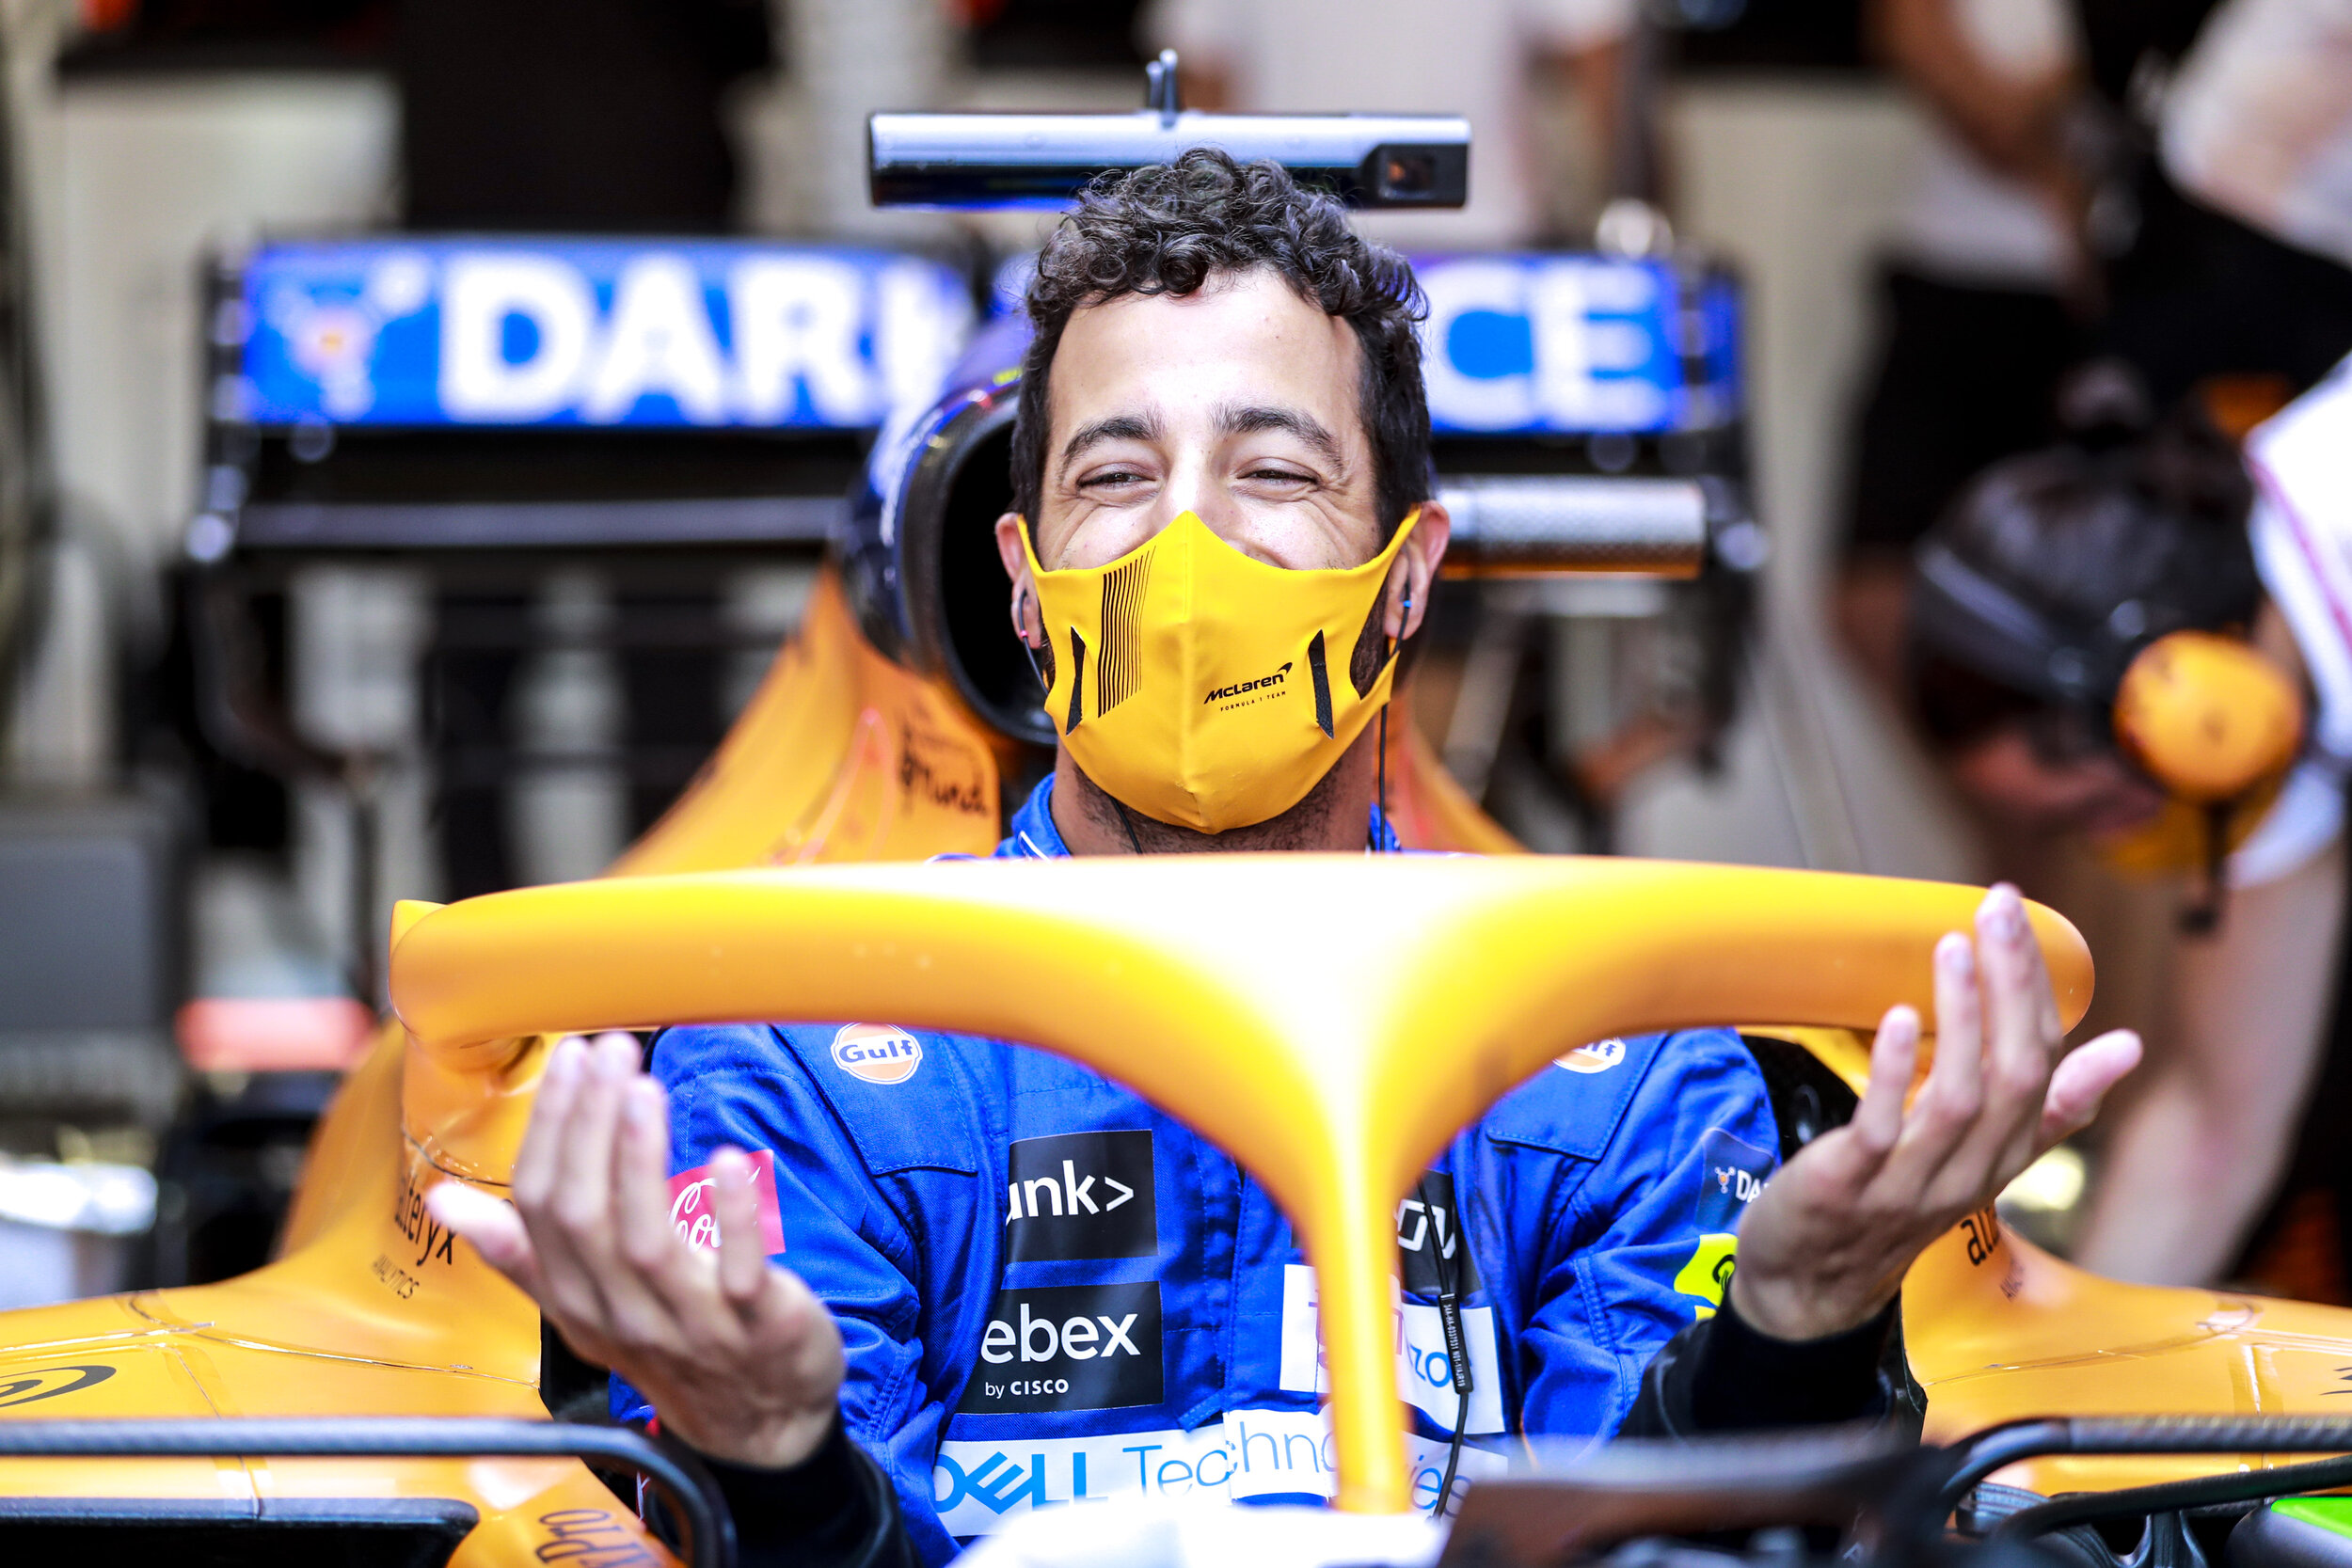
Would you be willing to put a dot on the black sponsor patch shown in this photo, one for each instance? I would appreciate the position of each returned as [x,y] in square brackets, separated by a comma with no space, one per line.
[1068,1347]
[1427,1230]
[1081,1194]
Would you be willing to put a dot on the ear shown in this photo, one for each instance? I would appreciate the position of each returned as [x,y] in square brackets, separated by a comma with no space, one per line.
[1029,621]
[1416,569]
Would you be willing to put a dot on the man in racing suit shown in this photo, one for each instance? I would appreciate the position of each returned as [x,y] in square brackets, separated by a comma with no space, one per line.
[950,1280]
[1062,1292]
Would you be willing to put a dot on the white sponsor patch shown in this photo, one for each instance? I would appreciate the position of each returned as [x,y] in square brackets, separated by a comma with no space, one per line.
[979,1485]
[878,1052]
[1599,1056]
[1424,1376]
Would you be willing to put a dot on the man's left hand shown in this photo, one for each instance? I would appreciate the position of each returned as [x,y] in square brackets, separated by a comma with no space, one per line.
[1826,1245]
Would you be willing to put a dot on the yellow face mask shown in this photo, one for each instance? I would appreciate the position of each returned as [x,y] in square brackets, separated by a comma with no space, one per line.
[1206,689]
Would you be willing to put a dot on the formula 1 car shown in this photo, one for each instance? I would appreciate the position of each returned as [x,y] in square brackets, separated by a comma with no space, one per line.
[378,1395]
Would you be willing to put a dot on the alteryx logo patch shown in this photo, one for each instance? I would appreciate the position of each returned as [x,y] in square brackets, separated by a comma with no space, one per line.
[1068,1347]
[1081,1194]
[878,1052]
[1732,1172]
[1429,1240]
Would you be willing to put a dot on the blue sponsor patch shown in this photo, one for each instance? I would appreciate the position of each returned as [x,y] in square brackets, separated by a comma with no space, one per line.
[1732,1172]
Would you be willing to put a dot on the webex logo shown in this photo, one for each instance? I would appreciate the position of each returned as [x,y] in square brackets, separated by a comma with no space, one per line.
[1068,1347]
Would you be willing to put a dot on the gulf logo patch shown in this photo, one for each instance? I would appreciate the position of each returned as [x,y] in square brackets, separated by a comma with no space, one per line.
[878,1052]
[1599,1056]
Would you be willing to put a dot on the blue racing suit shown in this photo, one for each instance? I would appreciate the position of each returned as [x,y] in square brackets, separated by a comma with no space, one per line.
[1050,1291]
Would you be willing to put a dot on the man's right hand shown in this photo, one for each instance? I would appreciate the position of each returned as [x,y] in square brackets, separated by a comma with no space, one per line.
[740,1358]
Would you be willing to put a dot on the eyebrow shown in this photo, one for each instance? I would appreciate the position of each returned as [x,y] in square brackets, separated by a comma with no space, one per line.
[1119,427]
[1252,419]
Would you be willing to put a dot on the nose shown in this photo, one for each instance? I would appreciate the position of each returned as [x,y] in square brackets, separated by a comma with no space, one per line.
[1191,487]
[1218,509]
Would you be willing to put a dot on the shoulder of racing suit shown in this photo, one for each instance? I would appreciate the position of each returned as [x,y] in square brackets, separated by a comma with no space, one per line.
[1611,1183]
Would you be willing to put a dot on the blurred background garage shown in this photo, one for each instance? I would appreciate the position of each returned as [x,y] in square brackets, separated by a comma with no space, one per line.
[178,881]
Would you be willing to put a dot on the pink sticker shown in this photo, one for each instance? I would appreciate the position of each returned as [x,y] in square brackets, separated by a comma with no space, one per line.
[696,1217]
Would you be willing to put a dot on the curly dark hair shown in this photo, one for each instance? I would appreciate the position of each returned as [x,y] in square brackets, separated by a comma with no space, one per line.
[1169,229]
[2076,534]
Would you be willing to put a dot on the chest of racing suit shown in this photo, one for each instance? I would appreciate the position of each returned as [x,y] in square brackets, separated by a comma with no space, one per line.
[1050,1291]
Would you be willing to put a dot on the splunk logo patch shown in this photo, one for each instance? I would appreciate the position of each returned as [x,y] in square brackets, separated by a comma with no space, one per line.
[1080,1194]
[878,1052]
[1068,1347]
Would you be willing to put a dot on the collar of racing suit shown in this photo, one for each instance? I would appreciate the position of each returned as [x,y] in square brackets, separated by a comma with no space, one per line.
[1033,836]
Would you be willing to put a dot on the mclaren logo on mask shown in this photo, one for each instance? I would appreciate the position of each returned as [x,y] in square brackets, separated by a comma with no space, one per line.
[1068,1347]
[1080,1194]
[1267,683]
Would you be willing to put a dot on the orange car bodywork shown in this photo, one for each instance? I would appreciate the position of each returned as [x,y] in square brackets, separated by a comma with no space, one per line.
[844,755]
[371,1309]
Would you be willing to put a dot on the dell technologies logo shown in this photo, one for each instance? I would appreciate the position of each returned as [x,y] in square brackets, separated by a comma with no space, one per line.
[1068,1347]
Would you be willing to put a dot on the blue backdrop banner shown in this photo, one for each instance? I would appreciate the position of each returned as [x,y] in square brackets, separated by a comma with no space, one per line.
[507,331]
[1576,344]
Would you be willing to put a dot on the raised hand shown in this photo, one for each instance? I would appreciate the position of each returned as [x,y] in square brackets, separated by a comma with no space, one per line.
[739,1357]
[1827,1244]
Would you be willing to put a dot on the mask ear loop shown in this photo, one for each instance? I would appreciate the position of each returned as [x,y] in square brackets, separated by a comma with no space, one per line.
[1127,820]
[1371,835]
[1020,632]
